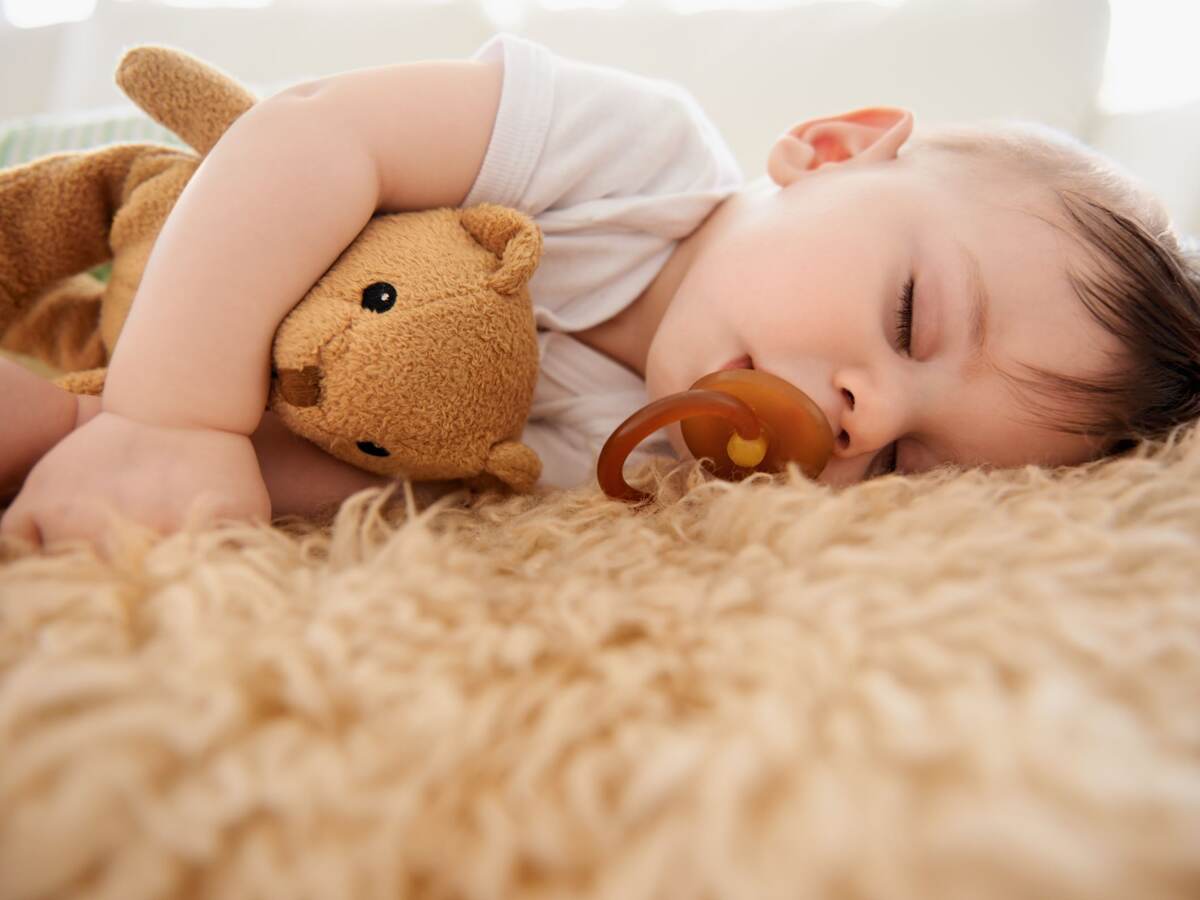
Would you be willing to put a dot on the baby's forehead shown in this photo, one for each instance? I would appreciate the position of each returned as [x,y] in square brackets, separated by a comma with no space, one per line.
[1009,229]
[994,195]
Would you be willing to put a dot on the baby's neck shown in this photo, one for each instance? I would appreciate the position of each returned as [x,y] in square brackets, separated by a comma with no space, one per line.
[626,337]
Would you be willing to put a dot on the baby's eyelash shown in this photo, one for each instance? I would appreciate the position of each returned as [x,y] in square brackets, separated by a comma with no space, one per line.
[904,316]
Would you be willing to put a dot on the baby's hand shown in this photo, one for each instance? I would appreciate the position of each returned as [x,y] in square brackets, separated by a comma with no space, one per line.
[150,473]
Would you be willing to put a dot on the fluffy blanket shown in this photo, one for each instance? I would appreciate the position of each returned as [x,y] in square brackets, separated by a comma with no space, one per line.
[960,685]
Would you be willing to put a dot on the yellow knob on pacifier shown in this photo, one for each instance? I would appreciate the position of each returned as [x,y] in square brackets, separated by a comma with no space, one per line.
[744,453]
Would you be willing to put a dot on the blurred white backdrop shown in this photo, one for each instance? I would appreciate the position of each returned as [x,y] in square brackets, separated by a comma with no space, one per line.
[1120,74]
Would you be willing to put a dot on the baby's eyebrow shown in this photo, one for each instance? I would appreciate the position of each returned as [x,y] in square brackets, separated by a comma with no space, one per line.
[977,322]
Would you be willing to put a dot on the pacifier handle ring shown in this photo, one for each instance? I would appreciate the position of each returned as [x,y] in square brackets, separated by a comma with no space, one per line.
[647,420]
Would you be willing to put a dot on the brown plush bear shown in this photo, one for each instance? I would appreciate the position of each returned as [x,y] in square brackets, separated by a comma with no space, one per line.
[415,355]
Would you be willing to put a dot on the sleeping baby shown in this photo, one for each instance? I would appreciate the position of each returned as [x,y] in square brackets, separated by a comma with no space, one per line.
[997,295]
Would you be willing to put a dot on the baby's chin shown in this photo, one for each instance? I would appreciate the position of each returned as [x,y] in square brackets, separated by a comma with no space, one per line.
[665,373]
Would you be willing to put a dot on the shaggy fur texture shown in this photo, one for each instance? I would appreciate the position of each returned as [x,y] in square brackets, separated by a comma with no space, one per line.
[960,685]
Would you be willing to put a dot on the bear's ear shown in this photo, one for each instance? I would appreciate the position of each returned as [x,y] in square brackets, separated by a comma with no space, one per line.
[512,237]
[195,100]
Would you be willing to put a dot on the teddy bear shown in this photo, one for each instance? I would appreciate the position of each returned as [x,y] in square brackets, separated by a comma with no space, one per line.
[415,355]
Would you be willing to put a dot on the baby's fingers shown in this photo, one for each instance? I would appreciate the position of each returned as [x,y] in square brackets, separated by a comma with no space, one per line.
[88,521]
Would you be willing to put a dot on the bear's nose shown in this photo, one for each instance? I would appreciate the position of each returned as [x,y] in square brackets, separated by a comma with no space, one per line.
[300,387]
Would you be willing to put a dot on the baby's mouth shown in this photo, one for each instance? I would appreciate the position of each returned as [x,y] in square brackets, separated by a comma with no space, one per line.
[742,362]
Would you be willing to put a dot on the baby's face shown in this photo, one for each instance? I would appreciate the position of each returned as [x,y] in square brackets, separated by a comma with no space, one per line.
[807,281]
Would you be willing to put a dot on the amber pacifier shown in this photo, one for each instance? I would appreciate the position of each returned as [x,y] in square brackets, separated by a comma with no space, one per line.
[743,420]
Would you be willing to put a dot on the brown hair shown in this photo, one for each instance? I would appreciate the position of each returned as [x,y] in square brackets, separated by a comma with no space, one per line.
[1144,288]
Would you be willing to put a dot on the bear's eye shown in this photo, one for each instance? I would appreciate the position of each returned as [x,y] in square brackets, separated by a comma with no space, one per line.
[379,297]
[372,449]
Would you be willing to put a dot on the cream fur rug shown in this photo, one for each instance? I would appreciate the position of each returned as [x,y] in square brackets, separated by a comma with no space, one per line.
[958,686]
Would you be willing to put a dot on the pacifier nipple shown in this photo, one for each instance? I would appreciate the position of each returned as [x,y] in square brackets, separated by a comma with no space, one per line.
[742,420]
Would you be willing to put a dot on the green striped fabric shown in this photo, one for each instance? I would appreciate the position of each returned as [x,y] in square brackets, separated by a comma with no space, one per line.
[24,139]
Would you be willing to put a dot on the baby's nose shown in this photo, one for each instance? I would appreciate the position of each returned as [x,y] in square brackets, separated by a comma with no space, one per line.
[837,420]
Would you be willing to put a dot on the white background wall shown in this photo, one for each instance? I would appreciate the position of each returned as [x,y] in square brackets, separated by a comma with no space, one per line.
[757,66]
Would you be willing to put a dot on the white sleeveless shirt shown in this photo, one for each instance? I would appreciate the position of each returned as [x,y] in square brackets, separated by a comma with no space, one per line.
[615,168]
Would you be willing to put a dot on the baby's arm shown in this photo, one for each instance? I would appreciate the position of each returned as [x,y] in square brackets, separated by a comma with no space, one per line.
[278,199]
[301,479]
[280,196]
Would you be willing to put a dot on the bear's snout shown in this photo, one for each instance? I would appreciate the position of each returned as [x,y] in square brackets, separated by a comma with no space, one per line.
[300,387]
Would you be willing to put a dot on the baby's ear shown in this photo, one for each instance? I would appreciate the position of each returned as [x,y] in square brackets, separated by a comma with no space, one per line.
[866,135]
[512,237]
